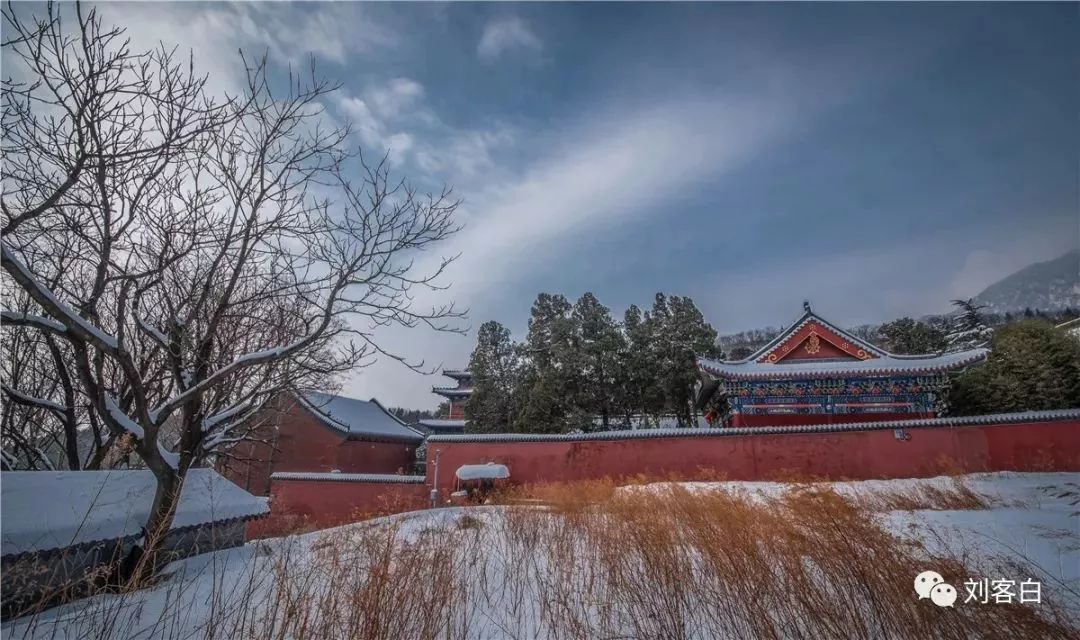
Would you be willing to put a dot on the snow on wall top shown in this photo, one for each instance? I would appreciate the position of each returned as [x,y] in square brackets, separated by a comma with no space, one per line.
[489,471]
[359,417]
[437,423]
[378,478]
[961,421]
[885,365]
[44,510]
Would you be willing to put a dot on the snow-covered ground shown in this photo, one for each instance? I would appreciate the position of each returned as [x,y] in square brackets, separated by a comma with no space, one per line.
[1032,518]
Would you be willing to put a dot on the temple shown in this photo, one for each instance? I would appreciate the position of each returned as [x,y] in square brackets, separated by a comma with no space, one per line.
[816,373]
[458,397]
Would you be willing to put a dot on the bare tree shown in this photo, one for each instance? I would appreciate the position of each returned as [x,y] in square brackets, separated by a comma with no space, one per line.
[197,257]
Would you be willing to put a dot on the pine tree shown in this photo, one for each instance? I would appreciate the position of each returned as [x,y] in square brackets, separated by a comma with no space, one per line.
[686,337]
[908,336]
[599,351]
[643,394]
[968,329]
[553,370]
[1032,366]
[495,367]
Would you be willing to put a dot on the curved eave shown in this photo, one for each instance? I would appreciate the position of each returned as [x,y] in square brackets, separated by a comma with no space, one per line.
[783,372]
[452,393]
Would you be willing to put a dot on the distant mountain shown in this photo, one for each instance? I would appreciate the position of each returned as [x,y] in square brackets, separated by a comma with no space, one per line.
[1050,285]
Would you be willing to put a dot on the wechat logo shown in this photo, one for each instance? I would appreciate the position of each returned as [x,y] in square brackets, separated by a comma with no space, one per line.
[930,584]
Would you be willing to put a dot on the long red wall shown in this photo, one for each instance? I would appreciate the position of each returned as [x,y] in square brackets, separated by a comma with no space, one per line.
[1033,446]
[306,505]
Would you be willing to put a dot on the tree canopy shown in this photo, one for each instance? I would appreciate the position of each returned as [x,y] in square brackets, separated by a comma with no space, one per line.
[1032,366]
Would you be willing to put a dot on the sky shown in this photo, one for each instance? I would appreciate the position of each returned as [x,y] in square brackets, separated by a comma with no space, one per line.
[876,159]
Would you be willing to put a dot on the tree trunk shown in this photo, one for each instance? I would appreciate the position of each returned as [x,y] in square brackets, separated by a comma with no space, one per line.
[144,557]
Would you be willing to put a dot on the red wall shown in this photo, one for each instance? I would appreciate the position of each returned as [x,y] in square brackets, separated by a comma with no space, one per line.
[305,443]
[305,505]
[1040,446]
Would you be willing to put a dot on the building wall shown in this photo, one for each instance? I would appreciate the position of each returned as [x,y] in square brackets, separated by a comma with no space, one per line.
[928,451]
[358,456]
[457,409]
[306,505]
[305,443]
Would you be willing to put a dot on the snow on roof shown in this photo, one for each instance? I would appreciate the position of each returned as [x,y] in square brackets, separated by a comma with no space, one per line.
[885,365]
[457,373]
[452,391]
[489,471]
[359,418]
[961,421]
[436,423]
[378,478]
[54,509]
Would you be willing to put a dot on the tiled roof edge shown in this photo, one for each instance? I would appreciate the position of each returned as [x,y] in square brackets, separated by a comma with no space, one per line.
[959,421]
[372,478]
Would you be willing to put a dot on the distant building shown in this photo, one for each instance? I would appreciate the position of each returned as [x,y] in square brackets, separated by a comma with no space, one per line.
[61,528]
[815,372]
[458,397]
[321,432]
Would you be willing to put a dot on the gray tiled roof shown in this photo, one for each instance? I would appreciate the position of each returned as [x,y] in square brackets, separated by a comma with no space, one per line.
[885,365]
[359,418]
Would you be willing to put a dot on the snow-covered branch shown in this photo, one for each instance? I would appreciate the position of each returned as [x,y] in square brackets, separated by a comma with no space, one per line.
[62,313]
[22,398]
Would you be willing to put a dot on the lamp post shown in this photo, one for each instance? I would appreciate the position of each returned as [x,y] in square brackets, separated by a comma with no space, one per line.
[435,480]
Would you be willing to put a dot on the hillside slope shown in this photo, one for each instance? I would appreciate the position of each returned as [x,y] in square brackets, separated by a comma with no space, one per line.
[1050,285]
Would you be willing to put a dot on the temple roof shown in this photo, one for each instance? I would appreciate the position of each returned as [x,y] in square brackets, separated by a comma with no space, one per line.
[813,347]
[452,391]
[359,419]
[457,374]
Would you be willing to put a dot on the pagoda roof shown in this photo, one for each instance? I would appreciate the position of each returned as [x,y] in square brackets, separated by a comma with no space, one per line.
[457,374]
[456,392]
[828,350]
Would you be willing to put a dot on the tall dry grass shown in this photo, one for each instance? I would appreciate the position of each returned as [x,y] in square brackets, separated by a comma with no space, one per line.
[596,562]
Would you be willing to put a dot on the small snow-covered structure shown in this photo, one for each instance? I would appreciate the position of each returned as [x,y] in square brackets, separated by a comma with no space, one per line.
[60,529]
[478,479]
[489,471]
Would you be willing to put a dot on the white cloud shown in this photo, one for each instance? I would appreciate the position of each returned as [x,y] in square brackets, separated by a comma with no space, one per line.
[215,33]
[396,97]
[508,34]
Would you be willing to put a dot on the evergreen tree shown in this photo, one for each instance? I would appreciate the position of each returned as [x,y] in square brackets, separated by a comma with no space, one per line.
[642,393]
[598,352]
[1032,366]
[679,335]
[968,328]
[553,369]
[495,367]
[908,336]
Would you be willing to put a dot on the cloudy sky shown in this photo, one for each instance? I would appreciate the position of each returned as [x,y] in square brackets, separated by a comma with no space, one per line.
[878,159]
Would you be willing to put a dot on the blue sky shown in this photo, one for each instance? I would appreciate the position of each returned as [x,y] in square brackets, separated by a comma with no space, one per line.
[878,159]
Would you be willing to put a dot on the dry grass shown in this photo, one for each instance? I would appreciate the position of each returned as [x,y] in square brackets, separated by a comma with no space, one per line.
[600,563]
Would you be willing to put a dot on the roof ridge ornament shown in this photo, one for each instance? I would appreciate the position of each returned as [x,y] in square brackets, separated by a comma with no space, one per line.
[806,306]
